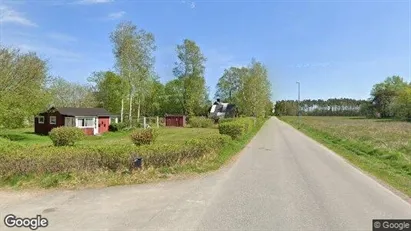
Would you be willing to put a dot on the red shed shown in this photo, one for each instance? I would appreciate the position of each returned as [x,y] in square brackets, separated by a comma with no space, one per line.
[175,120]
[93,121]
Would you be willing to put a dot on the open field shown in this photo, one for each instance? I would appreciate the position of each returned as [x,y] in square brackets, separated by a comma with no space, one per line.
[166,135]
[380,147]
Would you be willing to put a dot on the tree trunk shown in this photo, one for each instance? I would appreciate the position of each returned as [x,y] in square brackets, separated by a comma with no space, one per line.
[130,100]
[131,108]
[138,109]
[122,110]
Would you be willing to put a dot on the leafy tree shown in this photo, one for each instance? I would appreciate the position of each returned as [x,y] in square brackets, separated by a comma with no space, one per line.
[249,88]
[23,80]
[190,74]
[108,87]
[69,94]
[133,50]
[402,103]
[384,94]
[173,97]
[154,101]
[229,84]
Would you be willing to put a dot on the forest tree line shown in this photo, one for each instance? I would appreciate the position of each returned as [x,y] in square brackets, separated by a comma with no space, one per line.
[388,99]
[131,89]
[330,107]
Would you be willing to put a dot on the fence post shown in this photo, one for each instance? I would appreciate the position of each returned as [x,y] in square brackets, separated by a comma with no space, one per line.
[144,123]
[158,122]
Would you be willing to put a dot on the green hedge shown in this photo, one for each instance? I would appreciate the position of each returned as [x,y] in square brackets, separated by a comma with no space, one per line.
[115,127]
[200,122]
[237,128]
[7,145]
[225,120]
[45,160]
[65,136]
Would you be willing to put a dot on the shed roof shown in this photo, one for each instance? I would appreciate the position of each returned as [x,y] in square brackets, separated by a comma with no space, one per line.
[75,111]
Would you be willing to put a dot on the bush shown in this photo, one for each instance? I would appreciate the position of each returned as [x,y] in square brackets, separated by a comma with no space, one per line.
[144,136]
[65,136]
[200,122]
[233,129]
[225,120]
[7,145]
[248,123]
[236,128]
[115,127]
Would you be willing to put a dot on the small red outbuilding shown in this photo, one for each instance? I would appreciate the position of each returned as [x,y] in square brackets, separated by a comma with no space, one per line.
[93,121]
[175,120]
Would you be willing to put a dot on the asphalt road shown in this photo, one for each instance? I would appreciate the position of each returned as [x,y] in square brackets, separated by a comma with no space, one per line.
[282,181]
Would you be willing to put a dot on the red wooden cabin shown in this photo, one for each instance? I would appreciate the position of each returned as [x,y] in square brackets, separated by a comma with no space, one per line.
[93,121]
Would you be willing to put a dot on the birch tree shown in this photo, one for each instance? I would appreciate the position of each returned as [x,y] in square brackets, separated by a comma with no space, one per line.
[247,87]
[133,50]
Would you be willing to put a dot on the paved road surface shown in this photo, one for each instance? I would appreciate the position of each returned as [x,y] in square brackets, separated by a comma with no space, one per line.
[282,181]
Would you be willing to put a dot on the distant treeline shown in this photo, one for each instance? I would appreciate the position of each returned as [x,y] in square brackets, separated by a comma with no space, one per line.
[388,99]
[330,107]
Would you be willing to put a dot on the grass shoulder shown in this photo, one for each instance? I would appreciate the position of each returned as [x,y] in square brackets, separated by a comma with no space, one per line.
[374,146]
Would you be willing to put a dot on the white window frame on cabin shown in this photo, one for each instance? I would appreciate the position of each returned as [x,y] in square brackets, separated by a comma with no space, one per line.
[55,120]
[40,117]
[78,119]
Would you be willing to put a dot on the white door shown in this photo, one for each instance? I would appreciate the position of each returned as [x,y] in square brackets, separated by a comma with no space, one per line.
[95,125]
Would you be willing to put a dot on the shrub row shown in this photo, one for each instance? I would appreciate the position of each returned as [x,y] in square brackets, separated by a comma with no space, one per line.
[44,160]
[238,127]
[200,122]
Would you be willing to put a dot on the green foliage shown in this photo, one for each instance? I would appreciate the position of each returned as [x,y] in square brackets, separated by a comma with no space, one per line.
[329,107]
[402,103]
[115,127]
[248,88]
[237,128]
[200,122]
[64,160]
[190,74]
[23,93]
[229,84]
[233,129]
[225,120]
[383,95]
[154,102]
[7,145]
[133,50]
[109,90]
[70,94]
[173,94]
[144,136]
[65,136]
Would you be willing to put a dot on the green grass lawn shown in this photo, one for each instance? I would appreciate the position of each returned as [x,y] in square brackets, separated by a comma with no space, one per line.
[380,147]
[166,135]
[110,154]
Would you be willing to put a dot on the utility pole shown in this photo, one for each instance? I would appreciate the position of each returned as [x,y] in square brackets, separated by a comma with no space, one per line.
[299,113]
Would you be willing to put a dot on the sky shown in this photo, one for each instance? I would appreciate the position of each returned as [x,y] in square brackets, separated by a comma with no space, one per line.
[333,48]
